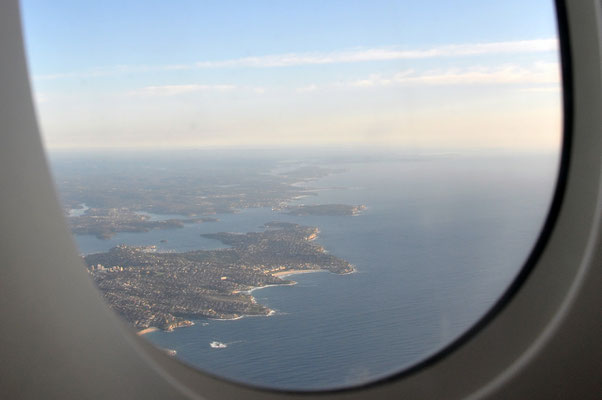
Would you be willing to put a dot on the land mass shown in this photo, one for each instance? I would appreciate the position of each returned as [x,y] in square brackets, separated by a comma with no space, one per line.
[325,209]
[169,290]
[182,187]
[104,223]
[112,195]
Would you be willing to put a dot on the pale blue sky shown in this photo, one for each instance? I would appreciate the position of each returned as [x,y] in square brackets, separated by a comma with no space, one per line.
[221,73]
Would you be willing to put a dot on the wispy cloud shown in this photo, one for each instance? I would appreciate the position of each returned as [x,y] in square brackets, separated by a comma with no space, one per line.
[383,54]
[538,73]
[322,58]
[172,90]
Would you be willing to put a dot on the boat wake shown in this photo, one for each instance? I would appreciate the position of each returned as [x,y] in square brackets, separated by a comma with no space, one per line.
[219,345]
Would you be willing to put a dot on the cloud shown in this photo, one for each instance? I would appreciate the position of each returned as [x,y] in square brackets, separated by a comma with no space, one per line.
[384,54]
[334,57]
[172,90]
[538,73]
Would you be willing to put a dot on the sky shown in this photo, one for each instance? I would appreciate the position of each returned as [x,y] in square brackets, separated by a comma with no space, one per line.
[275,73]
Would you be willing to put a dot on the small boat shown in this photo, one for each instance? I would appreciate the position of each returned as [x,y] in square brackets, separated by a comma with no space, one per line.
[218,345]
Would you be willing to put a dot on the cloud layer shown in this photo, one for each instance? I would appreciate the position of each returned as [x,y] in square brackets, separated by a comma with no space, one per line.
[539,73]
[334,57]
[542,73]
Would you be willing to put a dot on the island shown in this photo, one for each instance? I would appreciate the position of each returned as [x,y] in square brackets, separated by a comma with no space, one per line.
[170,290]
[325,209]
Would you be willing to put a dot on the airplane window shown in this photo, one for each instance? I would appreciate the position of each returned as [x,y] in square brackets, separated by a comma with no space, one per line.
[300,195]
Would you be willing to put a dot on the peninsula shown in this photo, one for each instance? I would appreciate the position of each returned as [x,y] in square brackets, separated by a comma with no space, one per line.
[169,290]
[104,223]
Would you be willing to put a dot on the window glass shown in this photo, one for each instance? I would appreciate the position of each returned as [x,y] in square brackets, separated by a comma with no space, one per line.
[300,195]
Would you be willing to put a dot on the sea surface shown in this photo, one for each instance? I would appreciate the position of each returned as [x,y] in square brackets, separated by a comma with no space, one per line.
[441,239]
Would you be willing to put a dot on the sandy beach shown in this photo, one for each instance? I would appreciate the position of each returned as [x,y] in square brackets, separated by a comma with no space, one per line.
[295,272]
[147,330]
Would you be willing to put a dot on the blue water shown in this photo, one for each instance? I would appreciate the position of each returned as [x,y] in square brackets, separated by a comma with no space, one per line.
[440,241]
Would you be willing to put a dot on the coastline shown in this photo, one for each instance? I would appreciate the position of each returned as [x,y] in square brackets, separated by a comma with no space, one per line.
[263,287]
[277,274]
[249,292]
[269,314]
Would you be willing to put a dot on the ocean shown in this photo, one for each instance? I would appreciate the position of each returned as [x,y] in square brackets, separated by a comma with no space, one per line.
[442,238]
